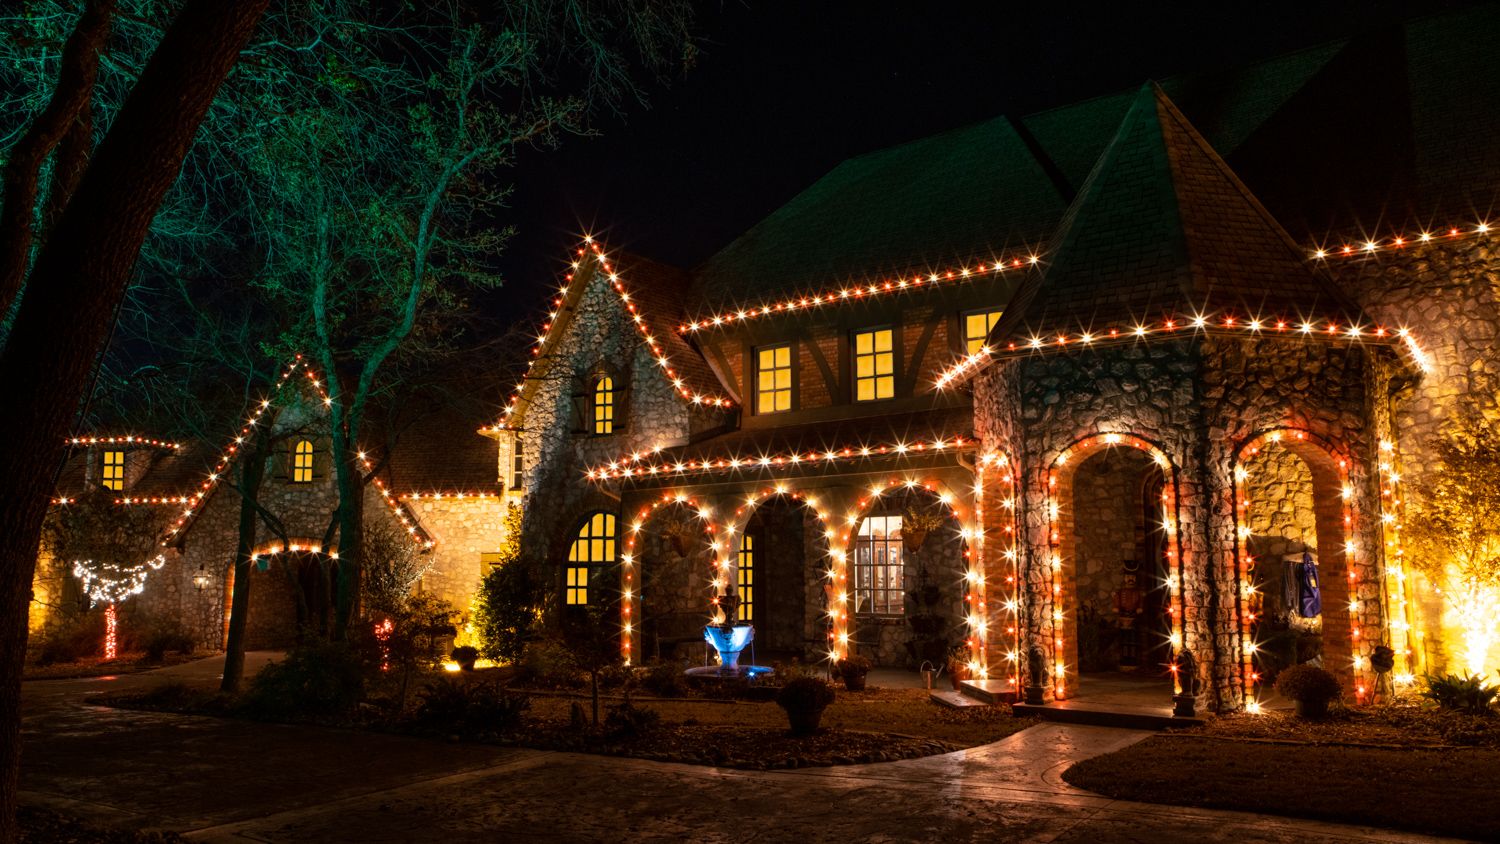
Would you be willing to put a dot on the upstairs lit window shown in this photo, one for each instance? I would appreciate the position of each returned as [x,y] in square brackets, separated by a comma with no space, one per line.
[517,466]
[113,476]
[874,365]
[604,405]
[977,328]
[773,392]
[302,462]
[595,546]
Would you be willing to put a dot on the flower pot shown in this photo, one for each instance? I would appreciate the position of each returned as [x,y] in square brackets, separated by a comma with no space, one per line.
[912,539]
[957,674]
[854,681]
[804,722]
[1312,709]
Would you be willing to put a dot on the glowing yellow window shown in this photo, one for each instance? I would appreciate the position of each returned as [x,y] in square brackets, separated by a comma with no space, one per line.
[874,365]
[977,329]
[604,405]
[595,546]
[114,470]
[773,391]
[302,462]
[744,581]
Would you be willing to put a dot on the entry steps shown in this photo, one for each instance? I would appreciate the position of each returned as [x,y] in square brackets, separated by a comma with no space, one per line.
[1106,714]
[975,693]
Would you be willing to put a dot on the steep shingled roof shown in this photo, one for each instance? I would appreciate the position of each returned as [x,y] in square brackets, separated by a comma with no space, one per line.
[661,292]
[1163,228]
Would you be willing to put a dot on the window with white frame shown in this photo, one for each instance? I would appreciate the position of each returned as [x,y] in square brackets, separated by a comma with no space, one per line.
[878,586]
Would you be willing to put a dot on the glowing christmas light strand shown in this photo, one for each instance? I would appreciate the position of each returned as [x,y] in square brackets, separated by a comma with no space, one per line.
[632,466]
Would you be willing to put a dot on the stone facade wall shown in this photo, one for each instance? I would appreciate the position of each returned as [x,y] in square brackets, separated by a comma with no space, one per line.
[461,530]
[1108,523]
[1281,519]
[1448,294]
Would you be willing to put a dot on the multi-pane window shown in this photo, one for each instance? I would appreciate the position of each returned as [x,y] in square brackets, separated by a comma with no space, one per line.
[113,476]
[595,546]
[977,328]
[489,560]
[302,462]
[878,587]
[874,365]
[517,466]
[744,579]
[604,405]
[773,390]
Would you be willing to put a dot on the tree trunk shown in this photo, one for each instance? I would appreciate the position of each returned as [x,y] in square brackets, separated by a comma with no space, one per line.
[351,489]
[252,472]
[71,296]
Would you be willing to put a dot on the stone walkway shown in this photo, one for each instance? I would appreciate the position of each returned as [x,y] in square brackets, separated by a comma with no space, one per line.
[219,780]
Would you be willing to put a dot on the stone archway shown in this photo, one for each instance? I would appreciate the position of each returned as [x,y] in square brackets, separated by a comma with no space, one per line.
[775,558]
[1307,479]
[669,582]
[1081,560]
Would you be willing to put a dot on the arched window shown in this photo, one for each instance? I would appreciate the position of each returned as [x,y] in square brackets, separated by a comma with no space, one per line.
[302,462]
[113,476]
[595,546]
[604,405]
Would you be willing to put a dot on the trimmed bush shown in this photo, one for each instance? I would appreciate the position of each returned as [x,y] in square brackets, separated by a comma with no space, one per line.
[320,679]
[453,705]
[1311,687]
[465,656]
[804,700]
[1461,694]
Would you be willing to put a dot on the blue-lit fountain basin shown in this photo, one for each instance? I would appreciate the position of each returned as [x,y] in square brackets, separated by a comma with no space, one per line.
[728,642]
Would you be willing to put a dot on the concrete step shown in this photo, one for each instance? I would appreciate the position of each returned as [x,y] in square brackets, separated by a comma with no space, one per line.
[954,700]
[1106,715]
[988,691]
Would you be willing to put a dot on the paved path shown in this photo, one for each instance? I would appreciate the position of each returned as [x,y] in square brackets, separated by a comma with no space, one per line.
[218,780]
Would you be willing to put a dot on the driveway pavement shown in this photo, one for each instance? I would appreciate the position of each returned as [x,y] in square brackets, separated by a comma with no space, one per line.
[220,780]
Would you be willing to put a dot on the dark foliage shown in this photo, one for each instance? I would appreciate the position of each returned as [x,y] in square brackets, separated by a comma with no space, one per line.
[665,679]
[1308,683]
[804,700]
[1461,694]
[319,679]
[630,721]
[452,705]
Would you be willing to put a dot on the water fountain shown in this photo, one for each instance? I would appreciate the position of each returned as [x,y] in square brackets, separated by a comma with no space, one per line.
[728,641]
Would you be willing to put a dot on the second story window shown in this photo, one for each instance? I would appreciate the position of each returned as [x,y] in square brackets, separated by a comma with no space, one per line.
[773,387]
[874,365]
[113,476]
[302,462]
[977,328]
[517,466]
[604,406]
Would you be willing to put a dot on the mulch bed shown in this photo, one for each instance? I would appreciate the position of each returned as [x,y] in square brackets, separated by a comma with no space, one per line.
[1400,767]
[43,826]
[129,663]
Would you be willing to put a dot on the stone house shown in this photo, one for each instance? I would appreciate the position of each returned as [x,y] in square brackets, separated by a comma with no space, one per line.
[1078,388]
[1088,382]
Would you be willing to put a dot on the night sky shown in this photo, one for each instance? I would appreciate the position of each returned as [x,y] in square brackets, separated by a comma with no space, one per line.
[784,91]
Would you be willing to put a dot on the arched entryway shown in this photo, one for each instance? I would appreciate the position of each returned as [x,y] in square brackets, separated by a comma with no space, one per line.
[1294,521]
[669,580]
[775,561]
[1112,610]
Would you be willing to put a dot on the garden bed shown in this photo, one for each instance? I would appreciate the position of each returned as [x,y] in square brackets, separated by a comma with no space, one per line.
[43,826]
[1401,767]
[129,663]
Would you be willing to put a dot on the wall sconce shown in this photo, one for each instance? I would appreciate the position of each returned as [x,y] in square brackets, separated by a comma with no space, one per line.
[200,580]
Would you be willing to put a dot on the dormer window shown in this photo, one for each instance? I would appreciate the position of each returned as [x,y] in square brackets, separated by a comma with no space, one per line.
[113,474]
[604,405]
[302,462]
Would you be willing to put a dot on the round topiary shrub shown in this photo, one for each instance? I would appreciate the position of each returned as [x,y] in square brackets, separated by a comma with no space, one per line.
[804,700]
[1310,687]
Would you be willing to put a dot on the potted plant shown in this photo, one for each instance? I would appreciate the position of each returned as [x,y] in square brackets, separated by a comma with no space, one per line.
[465,656]
[958,664]
[804,700]
[1310,687]
[915,525]
[852,670]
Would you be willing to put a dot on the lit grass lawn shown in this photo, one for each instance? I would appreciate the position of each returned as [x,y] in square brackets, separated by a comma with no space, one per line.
[871,726]
[1401,769]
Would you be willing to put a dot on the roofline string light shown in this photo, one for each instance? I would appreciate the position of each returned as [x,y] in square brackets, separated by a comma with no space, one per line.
[659,355]
[1199,324]
[1176,572]
[1401,241]
[1359,642]
[637,464]
[858,292]
[127,439]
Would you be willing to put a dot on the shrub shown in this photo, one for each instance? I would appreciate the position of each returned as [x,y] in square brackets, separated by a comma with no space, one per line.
[320,679]
[166,636]
[81,637]
[628,720]
[804,700]
[549,663]
[450,704]
[465,656]
[510,599]
[1461,694]
[665,679]
[852,670]
[1308,683]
